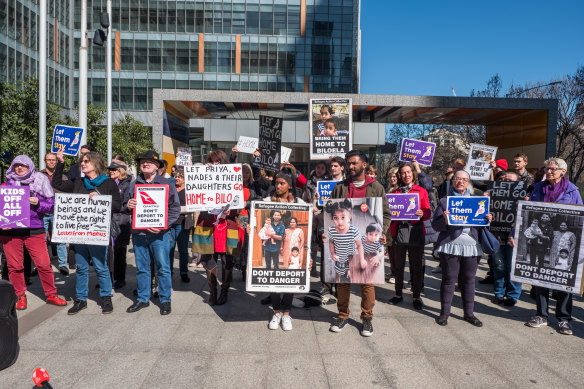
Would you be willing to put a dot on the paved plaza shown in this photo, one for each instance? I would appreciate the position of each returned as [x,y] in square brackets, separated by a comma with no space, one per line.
[229,346]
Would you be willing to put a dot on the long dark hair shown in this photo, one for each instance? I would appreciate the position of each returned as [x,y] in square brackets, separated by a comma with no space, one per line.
[334,206]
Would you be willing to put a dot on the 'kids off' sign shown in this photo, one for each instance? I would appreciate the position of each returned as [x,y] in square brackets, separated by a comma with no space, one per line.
[468,211]
[67,139]
[15,206]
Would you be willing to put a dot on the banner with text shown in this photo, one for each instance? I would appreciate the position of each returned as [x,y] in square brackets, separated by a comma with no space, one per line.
[80,220]
[15,206]
[248,145]
[417,150]
[184,157]
[278,256]
[151,207]
[403,206]
[468,211]
[479,161]
[504,197]
[213,187]
[324,188]
[331,127]
[67,138]
[548,246]
[270,144]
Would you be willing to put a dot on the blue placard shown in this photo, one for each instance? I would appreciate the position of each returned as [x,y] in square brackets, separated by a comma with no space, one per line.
[468,211]
[324,188]
[67,138]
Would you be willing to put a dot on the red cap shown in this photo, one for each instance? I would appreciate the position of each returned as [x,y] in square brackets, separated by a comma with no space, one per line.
[501,163]
[40,375]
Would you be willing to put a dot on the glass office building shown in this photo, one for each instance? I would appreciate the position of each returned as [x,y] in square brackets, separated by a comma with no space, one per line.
[247,45]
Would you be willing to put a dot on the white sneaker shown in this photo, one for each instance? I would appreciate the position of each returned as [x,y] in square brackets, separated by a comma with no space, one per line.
[286,323]
[275,322]
[297,303]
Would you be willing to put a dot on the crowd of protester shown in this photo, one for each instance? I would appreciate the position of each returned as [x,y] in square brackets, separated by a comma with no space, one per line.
[457,247]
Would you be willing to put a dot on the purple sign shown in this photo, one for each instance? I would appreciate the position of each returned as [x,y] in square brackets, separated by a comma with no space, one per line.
[417,150]
[14,207]
[403,206]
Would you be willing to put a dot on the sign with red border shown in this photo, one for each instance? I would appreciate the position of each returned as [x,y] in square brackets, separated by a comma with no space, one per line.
[151,207]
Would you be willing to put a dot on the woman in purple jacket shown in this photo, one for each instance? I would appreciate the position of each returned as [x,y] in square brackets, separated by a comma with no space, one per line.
[22,173]
[460,252]
[554,189]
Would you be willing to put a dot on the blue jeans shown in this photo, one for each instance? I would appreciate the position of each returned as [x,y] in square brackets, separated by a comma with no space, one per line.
[61,247]
[98,254]
[179,236]
[502,274]
[158,244]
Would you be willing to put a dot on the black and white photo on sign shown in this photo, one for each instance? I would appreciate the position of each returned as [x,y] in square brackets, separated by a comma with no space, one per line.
[331,127]
[548,246]
[353,252]
[278,255]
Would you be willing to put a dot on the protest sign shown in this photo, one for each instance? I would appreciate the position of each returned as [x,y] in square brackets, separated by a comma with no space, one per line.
[80,220]
[269,143]
[212,187]
[548,246]
[279,265]
[67,138]
[184,157]
[324,189]
[417,150]
[504,196]
[15,206]
[468,211]
[479,161]
[351,254]
[403,206]
[248,145]
[331,127]
[151,207]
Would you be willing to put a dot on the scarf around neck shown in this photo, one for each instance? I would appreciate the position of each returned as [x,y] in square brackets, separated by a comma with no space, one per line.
[97,181]
[452,192]
[551,192]
[407,188]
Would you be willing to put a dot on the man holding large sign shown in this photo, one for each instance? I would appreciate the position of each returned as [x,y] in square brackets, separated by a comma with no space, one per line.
[152,239]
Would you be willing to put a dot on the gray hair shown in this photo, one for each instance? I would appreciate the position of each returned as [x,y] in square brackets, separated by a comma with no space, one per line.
[461,171]
[556,161]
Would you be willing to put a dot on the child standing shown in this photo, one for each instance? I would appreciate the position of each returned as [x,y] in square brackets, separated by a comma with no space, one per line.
[294,259]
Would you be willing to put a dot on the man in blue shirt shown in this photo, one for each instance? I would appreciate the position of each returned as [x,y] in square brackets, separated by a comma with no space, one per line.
[272,247]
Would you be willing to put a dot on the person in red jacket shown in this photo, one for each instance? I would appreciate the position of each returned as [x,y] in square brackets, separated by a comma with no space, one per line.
[408,238]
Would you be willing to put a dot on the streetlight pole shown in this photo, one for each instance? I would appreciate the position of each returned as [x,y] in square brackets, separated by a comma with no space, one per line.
[42,82]
[532,88]
[83,73]
[109,82]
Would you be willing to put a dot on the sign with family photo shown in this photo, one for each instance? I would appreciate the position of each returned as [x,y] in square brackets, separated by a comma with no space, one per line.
[548,246]
[278,256]
[479,161]
[353,252]
[331,127]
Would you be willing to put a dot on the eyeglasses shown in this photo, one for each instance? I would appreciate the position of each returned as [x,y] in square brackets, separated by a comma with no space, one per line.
[147,162]
[460,179]
[552,169]
[85,161]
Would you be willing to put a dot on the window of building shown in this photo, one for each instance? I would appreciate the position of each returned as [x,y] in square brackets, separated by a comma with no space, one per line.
[280,18]
[266,20]
[153,55]
[238,19]
[127,54]
[168,55]
[171,17]
[252,19]
[126,93]
[140,55]
[194,56]
[190,16]
[180,17]
[210,57]
[224,57]
[140,95]
[226,18]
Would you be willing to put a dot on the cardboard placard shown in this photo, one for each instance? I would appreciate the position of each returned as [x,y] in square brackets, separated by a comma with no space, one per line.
[14,206]
[81,220]
[468,211]
[184,157]
[403,206]
[151,207]
[213,187]
[331,127]
[269,143]
[479,161]
[67,138]
[417,150]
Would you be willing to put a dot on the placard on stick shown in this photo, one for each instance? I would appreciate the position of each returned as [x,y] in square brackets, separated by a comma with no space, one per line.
[269,143]
[213,187]
[151,207]
[80,220]
[184,156]
[14,206]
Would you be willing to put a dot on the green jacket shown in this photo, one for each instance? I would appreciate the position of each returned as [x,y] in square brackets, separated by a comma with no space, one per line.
[374,189]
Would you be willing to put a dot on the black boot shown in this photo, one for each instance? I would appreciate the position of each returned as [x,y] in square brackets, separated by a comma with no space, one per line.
[212,281]
[227,276]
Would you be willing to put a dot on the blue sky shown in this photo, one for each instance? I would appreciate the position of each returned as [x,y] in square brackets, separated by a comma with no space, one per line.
[425,47]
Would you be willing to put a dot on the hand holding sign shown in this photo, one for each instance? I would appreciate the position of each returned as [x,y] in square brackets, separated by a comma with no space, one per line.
[67,139]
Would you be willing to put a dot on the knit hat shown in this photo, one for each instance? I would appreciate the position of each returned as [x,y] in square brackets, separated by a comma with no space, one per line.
[286,177]
[501,163]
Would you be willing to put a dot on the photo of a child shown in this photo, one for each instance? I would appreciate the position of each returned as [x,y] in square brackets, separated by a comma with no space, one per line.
[266,232]
[330,127]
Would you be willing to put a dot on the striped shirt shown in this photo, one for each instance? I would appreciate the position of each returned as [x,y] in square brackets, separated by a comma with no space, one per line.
[371,248]
[344,245]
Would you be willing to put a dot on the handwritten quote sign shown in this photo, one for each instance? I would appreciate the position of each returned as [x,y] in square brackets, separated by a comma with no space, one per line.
[468,211]
[324,188]
[479,161]
[269,143]
[212,187]
[151,207]
[403,206]
[248,145]
[67,138]
[15,205]
[80,220]
[417,150]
